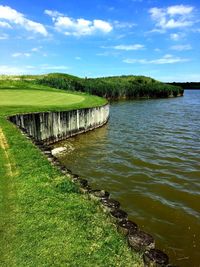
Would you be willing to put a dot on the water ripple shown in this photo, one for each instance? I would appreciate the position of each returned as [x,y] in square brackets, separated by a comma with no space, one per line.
[148,156]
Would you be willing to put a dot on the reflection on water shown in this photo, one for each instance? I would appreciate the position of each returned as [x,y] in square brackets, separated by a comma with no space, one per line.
[148,157]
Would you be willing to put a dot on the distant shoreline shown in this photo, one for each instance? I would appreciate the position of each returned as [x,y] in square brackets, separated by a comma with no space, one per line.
[192,88]
[187,85]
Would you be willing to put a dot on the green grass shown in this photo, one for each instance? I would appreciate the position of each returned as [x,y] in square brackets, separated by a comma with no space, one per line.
[26,98]
[113,88]
[44,221]
[23,96]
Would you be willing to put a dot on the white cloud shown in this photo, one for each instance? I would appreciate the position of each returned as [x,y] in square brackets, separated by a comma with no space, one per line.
[35,27]
[10,70]
[179,10]
[196,30]
[178,16]
[45,68]
[4,24]
[102,26]
[14,17]
[157,50]
[110,53]
[104,54]
[19,54]
[157,31]
[52,13]
[78,58]
[132,61]
[33,51]
[195,77]
[172,23]
[49,67]
[166,59]
[181,47]
[122,25]
[36,49]
[176,36]
[129,47]
[78,27]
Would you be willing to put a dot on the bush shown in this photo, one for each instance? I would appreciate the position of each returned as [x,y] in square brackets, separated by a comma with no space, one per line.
[113,87]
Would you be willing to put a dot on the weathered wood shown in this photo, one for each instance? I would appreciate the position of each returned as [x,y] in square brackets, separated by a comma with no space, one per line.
[50,127]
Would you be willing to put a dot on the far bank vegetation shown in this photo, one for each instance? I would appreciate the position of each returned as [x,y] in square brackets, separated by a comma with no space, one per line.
[114,88]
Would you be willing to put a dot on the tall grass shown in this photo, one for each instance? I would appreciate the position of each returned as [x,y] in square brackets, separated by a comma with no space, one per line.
[119,87]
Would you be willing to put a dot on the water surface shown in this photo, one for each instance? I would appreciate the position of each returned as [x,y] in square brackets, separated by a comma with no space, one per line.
[148,157]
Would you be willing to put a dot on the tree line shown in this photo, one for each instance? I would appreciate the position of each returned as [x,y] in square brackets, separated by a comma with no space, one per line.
[187,85]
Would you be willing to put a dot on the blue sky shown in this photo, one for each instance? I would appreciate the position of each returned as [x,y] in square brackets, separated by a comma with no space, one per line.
[159,39]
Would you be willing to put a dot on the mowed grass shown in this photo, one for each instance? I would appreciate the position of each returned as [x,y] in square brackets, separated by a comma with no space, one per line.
[31,97]
[44,220]
[22,96]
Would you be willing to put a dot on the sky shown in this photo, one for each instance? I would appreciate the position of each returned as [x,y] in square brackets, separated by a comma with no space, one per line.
[159,39]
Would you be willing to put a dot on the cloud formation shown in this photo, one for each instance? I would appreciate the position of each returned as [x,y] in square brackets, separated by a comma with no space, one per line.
[178,16]
[51,67]
[78,27]
[124,25]
[19,54]
[129,47]
[166,59]
[10,17]
[177,36]
[44,68]
[181,47]
[4,24]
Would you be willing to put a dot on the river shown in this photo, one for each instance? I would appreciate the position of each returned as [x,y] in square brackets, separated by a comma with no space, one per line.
[148,157]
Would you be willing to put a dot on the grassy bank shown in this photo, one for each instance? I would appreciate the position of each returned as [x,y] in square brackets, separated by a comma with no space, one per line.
[44,221]
[114,88]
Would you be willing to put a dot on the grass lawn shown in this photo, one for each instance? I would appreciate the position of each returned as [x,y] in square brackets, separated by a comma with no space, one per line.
[25,97]
[44,221]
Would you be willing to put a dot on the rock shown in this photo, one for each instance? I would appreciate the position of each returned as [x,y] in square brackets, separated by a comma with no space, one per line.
[127,226]
[155,258]
[69,171]
[56,163]
[50,159]
[37,143]
[58,150]
[119,215]
[83,183]
[47,152]
[110,204]
[85,190]
[141,241]
[63,168]
[75,177]
[99,194]
[50,156]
